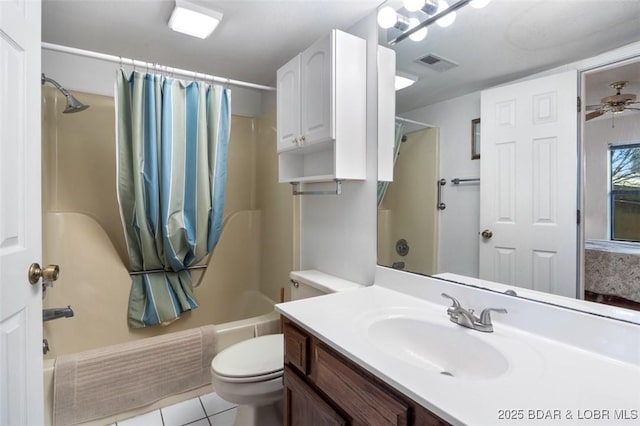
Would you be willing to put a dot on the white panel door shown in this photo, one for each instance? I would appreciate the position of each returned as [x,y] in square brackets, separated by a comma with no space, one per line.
[21,400]
[528,184]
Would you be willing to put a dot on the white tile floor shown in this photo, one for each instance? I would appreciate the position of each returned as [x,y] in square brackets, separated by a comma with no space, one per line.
[207,410]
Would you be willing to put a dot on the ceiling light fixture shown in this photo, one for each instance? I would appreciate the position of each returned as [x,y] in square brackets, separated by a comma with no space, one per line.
[419,35]
[479,4]
[404,80]
[448,18]
[438,11]
[194,19]
[389,18]
[427,6]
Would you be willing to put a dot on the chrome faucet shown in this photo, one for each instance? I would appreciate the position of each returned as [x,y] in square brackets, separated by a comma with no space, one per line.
[466,317]
[55,313]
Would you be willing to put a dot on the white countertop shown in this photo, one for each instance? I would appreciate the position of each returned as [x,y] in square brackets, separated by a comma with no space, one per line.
[565,383]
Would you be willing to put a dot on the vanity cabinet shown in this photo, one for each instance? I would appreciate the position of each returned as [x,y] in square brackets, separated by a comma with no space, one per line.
[322,387]
[321,111]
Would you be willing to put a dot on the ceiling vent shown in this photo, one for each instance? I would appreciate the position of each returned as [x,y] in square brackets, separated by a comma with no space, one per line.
[436,63]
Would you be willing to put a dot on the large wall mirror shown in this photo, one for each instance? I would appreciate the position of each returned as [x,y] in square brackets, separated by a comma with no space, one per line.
[454,200]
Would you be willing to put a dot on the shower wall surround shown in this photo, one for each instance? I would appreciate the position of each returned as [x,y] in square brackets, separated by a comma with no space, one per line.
[82,231]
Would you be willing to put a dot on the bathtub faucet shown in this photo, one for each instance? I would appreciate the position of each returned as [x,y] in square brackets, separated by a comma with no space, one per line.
[55,313]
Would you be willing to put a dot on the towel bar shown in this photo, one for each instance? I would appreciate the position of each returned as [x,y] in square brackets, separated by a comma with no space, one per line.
[337,191]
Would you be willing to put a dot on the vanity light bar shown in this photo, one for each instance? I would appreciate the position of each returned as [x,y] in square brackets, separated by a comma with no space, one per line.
[429,21]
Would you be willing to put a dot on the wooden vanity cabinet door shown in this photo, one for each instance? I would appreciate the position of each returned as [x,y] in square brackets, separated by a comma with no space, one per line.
[303,406]
[366,402]
[296,348]
[424,417]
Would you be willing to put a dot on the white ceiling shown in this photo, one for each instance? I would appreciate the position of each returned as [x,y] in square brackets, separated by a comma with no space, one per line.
[506,40]
[510,39]
[253,40]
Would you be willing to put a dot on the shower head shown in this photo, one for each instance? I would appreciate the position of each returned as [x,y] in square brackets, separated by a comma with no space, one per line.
[73,105]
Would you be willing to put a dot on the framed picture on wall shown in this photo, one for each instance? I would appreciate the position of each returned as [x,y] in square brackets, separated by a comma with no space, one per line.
[475,139]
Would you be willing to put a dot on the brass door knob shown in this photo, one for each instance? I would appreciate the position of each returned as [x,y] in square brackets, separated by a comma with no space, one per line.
[486,234]
[49,273]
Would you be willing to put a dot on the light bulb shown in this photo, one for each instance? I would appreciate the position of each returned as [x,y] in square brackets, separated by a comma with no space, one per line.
[387,17]
[447,20]
[479,4]
[420,34]
[413,5]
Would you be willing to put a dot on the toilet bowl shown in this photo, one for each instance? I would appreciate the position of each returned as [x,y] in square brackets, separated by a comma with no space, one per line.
[249,374]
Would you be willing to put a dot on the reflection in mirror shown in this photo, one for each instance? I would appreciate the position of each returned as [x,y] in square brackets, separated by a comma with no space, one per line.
[407,221]
[493,46]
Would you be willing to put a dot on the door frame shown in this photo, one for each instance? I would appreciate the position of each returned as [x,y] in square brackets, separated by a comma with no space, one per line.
[616,58]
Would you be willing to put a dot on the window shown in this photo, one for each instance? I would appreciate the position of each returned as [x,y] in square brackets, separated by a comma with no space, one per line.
[624,193]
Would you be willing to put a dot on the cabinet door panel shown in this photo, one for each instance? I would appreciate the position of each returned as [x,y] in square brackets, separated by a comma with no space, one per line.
[288,105]
[367,402]
[316,92]
[304,407]
[296,348]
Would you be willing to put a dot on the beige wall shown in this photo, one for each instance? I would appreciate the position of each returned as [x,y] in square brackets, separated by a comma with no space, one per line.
[408,210]
[83,232]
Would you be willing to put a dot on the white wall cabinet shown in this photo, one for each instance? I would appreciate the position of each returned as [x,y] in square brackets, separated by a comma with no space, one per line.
[321,103]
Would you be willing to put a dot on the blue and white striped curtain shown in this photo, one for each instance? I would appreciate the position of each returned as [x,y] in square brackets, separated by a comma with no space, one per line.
[172,139]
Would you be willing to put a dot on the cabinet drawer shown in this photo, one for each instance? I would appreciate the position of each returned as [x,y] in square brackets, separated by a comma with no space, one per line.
[296,348]
[303,406]
[368,403]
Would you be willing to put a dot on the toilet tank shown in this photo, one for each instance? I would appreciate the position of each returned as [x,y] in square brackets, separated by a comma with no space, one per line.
[311,283]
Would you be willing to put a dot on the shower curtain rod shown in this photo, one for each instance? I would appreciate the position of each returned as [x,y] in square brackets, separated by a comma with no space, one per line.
[406,120]
[150,65]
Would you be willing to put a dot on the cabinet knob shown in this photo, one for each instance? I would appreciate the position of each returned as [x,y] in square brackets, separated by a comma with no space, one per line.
[294,141]
[487,234]
[302,140]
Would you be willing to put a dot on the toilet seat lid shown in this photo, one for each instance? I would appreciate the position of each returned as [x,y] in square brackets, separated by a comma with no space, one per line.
[254,357]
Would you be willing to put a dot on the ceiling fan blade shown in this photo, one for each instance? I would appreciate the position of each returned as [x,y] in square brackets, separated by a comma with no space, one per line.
[593,114]
[593,107]
[634,109]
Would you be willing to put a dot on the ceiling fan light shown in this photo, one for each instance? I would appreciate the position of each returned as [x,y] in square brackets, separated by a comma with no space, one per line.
[446,20]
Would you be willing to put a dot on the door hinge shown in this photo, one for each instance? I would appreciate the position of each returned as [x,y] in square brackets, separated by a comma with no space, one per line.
[579,104]
[578,217]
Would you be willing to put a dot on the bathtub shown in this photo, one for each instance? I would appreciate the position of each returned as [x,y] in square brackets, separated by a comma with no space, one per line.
[259,318]
[612,268]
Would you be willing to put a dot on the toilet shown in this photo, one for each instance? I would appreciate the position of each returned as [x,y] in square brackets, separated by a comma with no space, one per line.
[249,373]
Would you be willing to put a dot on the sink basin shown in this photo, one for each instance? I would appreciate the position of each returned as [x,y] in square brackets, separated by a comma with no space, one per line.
[447,350]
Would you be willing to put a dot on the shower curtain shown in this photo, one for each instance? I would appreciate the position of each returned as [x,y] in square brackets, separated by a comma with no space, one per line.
[172,139]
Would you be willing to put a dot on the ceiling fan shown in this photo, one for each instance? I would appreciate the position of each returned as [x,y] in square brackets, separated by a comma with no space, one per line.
[614,103]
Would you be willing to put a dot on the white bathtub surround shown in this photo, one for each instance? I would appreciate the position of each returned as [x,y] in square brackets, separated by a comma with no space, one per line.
[548,363]
[612,268]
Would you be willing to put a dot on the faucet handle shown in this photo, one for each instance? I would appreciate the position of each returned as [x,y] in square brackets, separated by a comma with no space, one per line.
[454,301]
[485,315]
